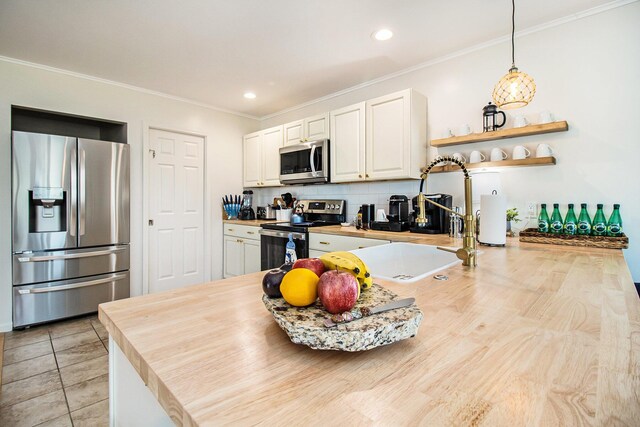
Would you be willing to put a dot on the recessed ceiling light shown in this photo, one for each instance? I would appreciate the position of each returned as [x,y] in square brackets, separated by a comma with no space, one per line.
[250,95]
[383,34]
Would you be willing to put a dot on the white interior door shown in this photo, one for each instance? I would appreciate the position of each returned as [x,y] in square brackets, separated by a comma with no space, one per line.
[176,210]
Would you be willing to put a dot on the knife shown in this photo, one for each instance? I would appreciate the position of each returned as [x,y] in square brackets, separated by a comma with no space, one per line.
[355,314]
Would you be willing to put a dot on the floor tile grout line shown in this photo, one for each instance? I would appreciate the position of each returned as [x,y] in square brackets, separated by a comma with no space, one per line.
[64,392]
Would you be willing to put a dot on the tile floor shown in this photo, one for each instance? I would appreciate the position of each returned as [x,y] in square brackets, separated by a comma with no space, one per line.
[56,375]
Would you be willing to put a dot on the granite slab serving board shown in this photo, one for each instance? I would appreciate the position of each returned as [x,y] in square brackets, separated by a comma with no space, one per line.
[304,325]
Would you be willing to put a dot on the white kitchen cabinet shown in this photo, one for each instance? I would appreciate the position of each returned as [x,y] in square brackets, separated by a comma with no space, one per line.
[309,129]
[348,143]
[241,250]
[331,242]
[396,136]
[261,157]
[316,254]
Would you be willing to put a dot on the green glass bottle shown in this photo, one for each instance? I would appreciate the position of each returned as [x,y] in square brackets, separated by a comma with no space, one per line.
[570,221]
[556,224]
[599,227]
[614,225]
[543,219]
[584,221]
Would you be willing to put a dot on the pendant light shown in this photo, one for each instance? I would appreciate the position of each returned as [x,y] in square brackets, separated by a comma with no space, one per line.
[515,89]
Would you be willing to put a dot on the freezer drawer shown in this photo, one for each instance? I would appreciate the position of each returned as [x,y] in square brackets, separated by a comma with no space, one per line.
[44,302]
[46,266]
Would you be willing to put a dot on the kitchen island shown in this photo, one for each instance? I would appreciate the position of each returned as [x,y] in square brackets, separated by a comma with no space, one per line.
[535,335]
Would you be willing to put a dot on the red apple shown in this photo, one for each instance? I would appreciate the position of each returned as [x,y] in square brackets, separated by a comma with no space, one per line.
[313,264]
[338,291]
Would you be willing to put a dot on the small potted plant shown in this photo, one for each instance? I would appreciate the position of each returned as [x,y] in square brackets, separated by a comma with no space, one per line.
[512,215]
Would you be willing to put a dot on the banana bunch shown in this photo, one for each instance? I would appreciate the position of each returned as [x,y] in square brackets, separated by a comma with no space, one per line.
[347,261]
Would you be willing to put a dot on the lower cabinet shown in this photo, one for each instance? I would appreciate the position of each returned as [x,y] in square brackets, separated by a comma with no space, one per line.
[322,243]
[241,250]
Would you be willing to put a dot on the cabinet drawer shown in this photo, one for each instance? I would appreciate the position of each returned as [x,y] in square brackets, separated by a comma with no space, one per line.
[330,243]
[243,231]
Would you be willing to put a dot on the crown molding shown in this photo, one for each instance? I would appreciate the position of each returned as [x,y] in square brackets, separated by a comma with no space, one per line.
[531,30]
[124,85]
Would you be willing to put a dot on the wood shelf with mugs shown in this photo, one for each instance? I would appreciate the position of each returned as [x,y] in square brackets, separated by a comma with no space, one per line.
[537,129]
[532,161]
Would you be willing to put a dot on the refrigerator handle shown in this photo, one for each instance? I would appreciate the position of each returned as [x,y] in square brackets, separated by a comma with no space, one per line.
[72,204]
[82,183]
[113,278]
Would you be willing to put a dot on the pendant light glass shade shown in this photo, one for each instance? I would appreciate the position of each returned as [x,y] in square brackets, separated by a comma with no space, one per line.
[514,90]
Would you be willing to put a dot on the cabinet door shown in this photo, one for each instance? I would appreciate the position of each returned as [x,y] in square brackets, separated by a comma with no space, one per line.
[313,253]
[233,257]
[271,143]
[388,137]
[294,132]
[251,256]
[348,143]
[252,159]
[316,127]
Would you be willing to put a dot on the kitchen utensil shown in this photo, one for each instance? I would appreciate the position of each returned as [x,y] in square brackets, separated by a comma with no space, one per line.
[489,114]
[545,117]
[544,150]
[520,121]
[464,130]
[366,311]
[476,157]
[498,155]
[459,156]
[288,200]
[520,152]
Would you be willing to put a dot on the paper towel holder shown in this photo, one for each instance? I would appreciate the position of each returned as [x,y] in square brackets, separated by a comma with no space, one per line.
[497,245]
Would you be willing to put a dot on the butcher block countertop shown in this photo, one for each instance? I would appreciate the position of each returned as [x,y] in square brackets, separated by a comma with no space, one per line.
[535,335]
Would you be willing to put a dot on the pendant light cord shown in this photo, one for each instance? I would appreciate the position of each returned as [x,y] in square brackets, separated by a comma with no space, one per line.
[513,33]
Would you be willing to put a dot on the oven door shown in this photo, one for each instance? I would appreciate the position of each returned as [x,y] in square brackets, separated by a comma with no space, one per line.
[305,163]
[273,246]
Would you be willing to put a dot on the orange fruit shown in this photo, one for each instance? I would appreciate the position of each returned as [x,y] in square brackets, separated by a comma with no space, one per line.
[299,287]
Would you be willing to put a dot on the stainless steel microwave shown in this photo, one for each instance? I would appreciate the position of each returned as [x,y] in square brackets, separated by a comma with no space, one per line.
[305,163]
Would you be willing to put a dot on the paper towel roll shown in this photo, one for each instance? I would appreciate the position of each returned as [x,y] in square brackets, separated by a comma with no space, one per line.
[493,219]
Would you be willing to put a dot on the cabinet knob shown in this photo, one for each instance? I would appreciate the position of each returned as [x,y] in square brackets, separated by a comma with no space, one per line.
[367,175]
[324,243]
[359,175]
[250,232]
[239,240]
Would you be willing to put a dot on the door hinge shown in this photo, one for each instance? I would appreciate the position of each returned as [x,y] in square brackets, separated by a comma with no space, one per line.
[150,223]
[153,153]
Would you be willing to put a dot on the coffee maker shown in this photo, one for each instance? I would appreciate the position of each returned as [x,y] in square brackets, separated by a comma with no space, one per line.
[438,219]
[246,211]
[398,217]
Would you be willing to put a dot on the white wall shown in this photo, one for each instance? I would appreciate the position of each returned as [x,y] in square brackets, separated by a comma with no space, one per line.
[587,72]
[32,87]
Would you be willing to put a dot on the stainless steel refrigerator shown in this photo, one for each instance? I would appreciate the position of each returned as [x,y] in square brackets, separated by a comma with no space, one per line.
[70,214]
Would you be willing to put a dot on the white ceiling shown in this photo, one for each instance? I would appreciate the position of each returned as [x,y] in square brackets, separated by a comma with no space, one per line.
[286,51]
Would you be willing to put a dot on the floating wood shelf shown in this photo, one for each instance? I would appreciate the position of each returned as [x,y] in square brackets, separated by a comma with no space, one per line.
[502,134]
[536,161]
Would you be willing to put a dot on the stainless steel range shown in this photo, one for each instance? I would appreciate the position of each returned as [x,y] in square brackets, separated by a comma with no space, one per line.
[70,200]
[274,236]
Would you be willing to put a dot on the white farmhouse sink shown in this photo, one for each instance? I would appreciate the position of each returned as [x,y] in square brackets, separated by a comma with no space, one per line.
[405,262]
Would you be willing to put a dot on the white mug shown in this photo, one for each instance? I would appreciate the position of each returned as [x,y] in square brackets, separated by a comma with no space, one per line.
[543,150]
[459,156]
[476,157]
[546,117]
[464,130]
[520,152]
[381,215]
[520,121]
[498,155]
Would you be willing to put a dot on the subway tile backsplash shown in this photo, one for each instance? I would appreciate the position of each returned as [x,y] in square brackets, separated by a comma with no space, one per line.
[355,194]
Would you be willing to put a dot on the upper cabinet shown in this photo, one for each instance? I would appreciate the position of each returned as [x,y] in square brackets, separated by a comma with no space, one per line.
[383,138]
[309,129]
[396,136]
[261,157]
[347,143]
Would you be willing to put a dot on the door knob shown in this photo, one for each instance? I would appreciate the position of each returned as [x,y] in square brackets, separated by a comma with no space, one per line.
[150,223]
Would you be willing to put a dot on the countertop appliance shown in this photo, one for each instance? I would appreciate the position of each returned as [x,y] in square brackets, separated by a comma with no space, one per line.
[305,163]
[70,230]
[246,211]
[274,236]
[398,217]
[438,221]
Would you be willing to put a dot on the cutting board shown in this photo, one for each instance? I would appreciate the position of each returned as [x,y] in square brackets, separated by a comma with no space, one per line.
[304,325]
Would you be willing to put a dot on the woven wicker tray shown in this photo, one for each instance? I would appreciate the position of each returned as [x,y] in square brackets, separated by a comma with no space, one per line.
[532,235]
